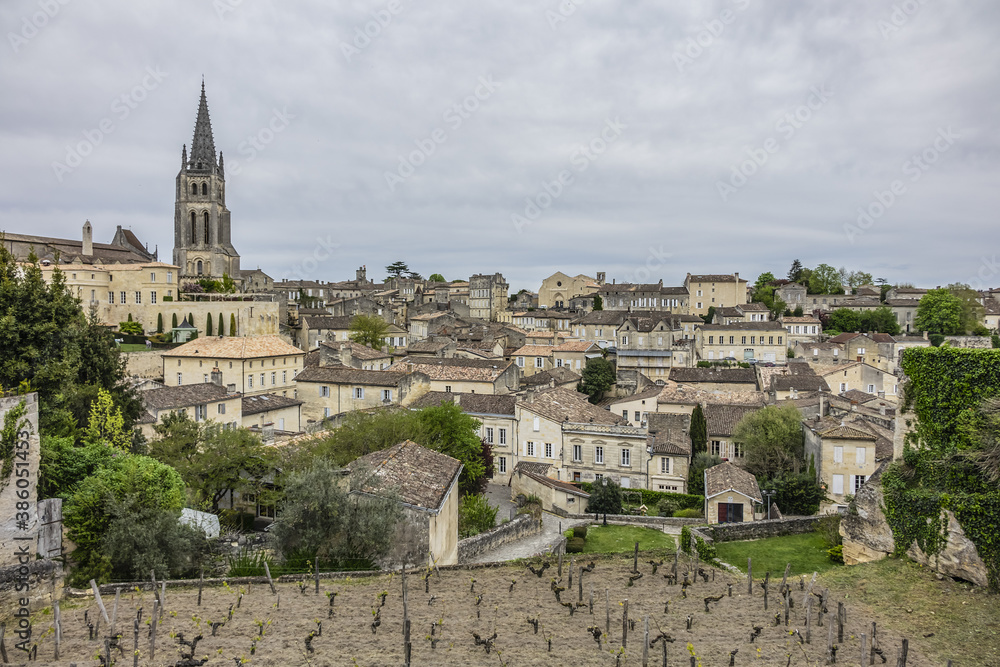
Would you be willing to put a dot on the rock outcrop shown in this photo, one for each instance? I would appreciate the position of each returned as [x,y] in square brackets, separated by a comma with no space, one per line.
[959,557]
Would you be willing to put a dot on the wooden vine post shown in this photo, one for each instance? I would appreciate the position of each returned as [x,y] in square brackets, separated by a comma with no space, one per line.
[607,612]
[114,610]
[316,573]
[407,647]
[809,614]
[749,576]
[135,643]
[270,582]
[625,623]
[635,558]
[871,656]
[100,602]
[841,618]
[152,630]
[57,620]
[645,642]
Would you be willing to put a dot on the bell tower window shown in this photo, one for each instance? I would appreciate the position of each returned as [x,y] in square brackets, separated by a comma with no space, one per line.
[194,188]
[199,267]
[204,188]
[194,228]
[206,228]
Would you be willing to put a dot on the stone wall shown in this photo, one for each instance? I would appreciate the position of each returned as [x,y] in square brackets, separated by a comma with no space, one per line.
[758,530]
[633,520]
[521,525]
[40,582]
[148,365]
[19,489]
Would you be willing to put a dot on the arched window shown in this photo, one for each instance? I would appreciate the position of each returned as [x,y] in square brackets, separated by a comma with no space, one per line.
[204,188]
[206,229]
[199,267]
[194,228]
[194,188]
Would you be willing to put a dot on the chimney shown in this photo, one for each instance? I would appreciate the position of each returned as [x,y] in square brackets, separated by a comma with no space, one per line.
[881,409]
[456,399]
[821,401]
[216,377]
[346,356]
[88,239]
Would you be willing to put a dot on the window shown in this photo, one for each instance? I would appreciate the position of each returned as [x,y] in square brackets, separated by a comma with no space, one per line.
[274,379]
[447,388]
[716,448]
[111,297]
[743,340]
[698,305]
[538,362]
[152,297]
[387,396]
[637,416]
[838,454]
[529,449]
[548,450]
[664,466]
[284,377]
[123,297]
[731,339]
[779,340]
[625,414]
[536,424]
[599,454]
[577,452]
[170,276]
[871,389]
[206,228]
[326,412]
[838,485]
[624,340]
[520,362]
[859,456]
[843,387]
[249,381]
[489,434]
[359,392]
[180,379]
[737,450]
[503,436]
[204,188]
[815,352]
[711,340]
[262,380]
[626,458]
[502,465]
[857,482]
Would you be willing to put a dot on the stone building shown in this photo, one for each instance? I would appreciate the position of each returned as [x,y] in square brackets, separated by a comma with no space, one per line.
[203,245]
[487,296]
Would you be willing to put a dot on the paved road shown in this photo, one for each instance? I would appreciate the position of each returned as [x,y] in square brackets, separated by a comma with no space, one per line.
[532,545]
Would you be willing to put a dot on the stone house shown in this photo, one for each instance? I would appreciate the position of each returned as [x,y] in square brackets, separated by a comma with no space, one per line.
[714,290]
[207,401]
[314,329]
[574,354]
[731,494]
[806,329]
[635,409]
[717,379]
[844,456]
[425,483]
[857,375]
[432,347]
[794,296]
[531,359]
[599,327]
[478,376]
[763,341]
[330,391]
[559,288]
[721,421]
[635,298]
[487,296]
[669,452]
[560,376]
[271,415]
[558,497]
[876,349]
[354,355]
[249,365]
[905,311]
[646,345]
[825,353]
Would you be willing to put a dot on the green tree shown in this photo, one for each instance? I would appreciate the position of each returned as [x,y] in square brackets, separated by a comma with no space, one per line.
[320,518]
[131,328]
[598,302]
[232,324]
[699,430]
[843,319]
[857,279]
[159,323]
[446,429]
[173,321]
[598,377]
[605,497]
[396,269]
[709,315]
[370,330]
[222,323]
[475,515]
[880,320]
[940,312]
[228,285]
[64,464]
[148,482]
[795,273]
[972,310]
[772,441]
[437,278]
[825,279]
[797,312]
[765,279]
[212,460]
[209,329]
[700,462]
[106,423]
[797,494]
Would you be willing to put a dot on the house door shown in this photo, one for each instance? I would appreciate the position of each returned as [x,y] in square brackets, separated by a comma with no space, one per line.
[730,512]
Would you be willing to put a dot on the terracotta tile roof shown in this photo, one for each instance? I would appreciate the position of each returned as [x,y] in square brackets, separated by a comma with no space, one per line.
[534,351]
[674,393]
[560,374]
[358,351]
[746,326]
[346,375]
[669,442]
[714,278]
[235,347]
[805,319]
[561,405]
[253,405]
[845,337]
[755,307]
[715,375]
[533,467]
[170,398]
[603,317]
[326,321]
[428,345]
[902,303]
[846,432]
[556,484]
[722,419]
[420,476]
[729,311]
[726,476]
[473,404]
[858,395]
[798,382]
[576,346]
[652,392]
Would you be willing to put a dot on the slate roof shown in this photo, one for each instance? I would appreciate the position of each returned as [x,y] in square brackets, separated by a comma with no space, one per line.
[726,476]
[533,467]
[561,405]
[722,419]
[235,347]
[603,317]
[478,404]
[253,405]
[669,442]
[717,375]
[420,476]
[556,484]
[348,375]
[170,398]
[858,395]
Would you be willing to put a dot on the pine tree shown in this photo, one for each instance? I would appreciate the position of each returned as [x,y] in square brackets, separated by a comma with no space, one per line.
[699,430]
[209,329]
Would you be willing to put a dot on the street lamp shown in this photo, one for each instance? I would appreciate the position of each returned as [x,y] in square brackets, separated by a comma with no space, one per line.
[604,483]
[769,495]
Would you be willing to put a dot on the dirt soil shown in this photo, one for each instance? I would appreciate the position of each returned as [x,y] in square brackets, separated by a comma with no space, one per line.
[347,637]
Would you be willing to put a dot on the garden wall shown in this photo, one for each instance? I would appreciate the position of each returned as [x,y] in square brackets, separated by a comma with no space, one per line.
[757,530]
[40,582]
[633,520]
[519,526]
[148,365]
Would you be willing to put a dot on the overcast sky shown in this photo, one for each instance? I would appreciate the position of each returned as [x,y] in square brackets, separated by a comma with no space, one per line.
[645,139]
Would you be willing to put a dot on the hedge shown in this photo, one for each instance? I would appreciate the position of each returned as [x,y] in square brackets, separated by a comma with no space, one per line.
[651,499]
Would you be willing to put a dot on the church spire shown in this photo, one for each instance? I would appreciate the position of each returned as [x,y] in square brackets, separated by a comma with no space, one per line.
[203,144]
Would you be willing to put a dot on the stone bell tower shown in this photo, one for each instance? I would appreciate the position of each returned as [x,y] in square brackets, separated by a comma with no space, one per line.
[202,236]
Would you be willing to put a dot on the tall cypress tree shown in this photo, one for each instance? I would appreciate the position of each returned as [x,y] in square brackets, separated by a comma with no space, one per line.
[159,323]
[699,431]
[173,321]
[209,329]
[232,324]
[222,323]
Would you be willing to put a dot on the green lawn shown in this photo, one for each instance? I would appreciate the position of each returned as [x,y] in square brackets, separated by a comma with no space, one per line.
[806,553]
[132,347]
[618,539]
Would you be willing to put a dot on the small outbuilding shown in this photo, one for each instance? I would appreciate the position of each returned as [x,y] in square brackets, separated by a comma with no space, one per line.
[558,497]
[426,484]
[730,494]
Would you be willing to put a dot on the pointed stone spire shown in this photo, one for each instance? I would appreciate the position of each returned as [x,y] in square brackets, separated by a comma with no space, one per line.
[222,165]
[184,157]
[203,144]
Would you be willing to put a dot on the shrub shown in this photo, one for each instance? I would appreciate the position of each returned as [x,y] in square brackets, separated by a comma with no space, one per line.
[667,507]
[574,545]
[653,498]
[829,529]
[797,495]
[685,539]
[475,515]
[688,514]
[580,531]
[936,339]
[836,554]
[706,551]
